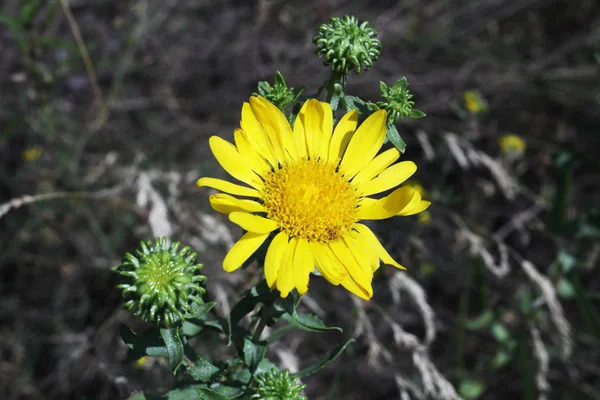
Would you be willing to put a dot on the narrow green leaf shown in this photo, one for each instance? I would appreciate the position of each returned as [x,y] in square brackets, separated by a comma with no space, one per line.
[414,113]
[279,79]
[174,347]
[210,394]
[253,353]
[471,389]
[326,360]
[501,358]
[500,333]
[204,371]
[29,10]
[200,310]
[384,88]
[565,289]
[480,321]
[146,344]
[306,322]
[394,137]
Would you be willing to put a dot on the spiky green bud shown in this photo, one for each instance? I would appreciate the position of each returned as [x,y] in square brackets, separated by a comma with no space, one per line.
[279,94]
[398,101]
[161,283]
[278,385]
[346,45]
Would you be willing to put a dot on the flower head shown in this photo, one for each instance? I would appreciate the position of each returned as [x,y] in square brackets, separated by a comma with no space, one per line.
[279,94]
[307,188]
[512,144]
[474,102]
[346,45]
[278,385]
[398,101]
[160,282]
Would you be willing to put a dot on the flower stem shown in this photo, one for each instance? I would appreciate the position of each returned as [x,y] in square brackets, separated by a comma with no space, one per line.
[264,316]
[335,88]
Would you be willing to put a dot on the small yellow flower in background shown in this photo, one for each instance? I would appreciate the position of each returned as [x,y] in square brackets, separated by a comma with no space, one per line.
[425,217]
[416,185]
[32,153]
[427,269]
[308,188]
[512,144]
[474,102]
[140,362]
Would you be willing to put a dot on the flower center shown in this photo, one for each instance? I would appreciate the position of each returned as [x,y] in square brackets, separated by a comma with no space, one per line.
[309,200]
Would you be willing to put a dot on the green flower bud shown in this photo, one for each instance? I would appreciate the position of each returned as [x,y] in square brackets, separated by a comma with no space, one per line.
[278,385]
[279,94]
[161,283]
[398,101]
[346,45]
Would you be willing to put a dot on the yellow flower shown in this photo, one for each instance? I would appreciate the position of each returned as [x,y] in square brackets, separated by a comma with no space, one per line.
[474,102]
[512,144]
[308,188]
[425,218]
[32,154]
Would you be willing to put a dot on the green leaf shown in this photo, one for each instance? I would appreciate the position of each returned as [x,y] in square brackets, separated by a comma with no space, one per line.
[146,344]
[414,113]
[500,333]
[200,310]
[326,360]
[565,288]
[187,393]
[137,396]
[306,322]
[567,260]
[253,353]
[394,137]
[210,394]
[242,308]
[174,347]
[501,358]
[471,389]
[384,88]
[29,10]
[335,100]
[204,371]
[279,79]
[480,321]
[354,103]
[16,29]
[263,88]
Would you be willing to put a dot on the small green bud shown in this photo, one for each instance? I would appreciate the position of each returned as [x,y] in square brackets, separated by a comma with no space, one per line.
[346,45]
[161,283]
[279,94]
[278,385]
[398,101]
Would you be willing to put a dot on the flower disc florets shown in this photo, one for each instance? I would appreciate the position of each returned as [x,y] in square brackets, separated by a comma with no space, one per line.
[278,385]
[346,45]
[161,283]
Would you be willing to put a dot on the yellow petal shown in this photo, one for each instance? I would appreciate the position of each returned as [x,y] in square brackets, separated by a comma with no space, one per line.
[422,205]
[341,136]
[257,135]
[353,287]
[304,264]
[285,276]
[374,243]
[327,130]
[362,250]
[359,274]
[253,223]
[274,257]
[388,206]
[308,128]
[226,204]
[268,120]
[242,250]
[364,144]
[375,166]
[329,267]
[232,162]
[389,178]
[226,186]
[255,160]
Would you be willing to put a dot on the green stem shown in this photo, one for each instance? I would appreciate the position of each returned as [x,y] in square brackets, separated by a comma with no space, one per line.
[336,84]
[264,316]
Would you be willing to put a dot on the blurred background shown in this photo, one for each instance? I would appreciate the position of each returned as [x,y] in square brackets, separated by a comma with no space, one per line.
[105,111]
